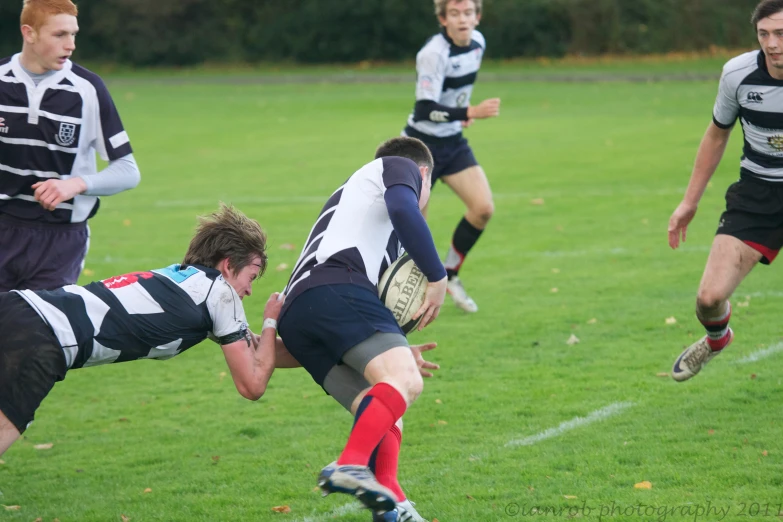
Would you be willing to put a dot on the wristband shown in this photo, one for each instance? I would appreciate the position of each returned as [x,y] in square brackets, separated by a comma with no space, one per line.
[269,323]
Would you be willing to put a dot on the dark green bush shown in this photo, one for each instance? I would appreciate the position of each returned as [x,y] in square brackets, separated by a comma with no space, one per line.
[185,32]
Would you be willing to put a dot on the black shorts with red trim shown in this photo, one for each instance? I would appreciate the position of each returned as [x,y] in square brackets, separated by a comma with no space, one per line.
[754,215]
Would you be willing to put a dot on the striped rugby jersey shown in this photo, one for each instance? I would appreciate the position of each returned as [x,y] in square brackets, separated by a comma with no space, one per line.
[353,240]
[141,315]
[445,74]
[748,92]
[52,131]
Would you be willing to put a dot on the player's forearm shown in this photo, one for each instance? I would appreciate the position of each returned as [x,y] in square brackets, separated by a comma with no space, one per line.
[263,363]
[708,157]
[429,110]
[120,175]
[283,358]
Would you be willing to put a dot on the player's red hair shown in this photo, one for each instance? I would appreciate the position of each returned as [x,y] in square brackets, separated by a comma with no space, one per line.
[36,12]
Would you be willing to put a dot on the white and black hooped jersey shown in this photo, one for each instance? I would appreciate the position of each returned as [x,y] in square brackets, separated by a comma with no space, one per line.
[141,315]
[353,240]
[748,92]
[445,74]
[52,131]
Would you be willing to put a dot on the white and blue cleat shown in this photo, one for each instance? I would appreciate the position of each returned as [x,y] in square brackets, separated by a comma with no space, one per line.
[359,482]
[403,512]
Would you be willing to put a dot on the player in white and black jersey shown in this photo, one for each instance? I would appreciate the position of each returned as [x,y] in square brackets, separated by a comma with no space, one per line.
[446,69]
[751,228]
[335,325]
[54,117]
[155,314]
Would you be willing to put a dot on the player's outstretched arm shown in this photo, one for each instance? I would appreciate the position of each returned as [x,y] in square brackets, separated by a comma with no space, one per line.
[487,109]
[252,362]
[424,366]
[711,150]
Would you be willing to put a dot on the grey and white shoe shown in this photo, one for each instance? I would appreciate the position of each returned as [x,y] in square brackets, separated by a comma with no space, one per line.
[695,357]
[403,512]
[358,481]
[460,296]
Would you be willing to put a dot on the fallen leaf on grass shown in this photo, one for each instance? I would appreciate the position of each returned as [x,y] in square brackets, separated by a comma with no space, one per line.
[710,432]
[470,498]
[2,461]
[752,376]
[215,458]
[555,270]
[554,290]
[438,401]
[671,320]
[287,246]
[124,518]
[643,485]
[222,375]
[12,508]
[126,222]
[281,509]
[537,201]
[661,374]
[570,497]
[88,272]
[572,340]
[46,446]
[743,304]
[435,520]
[147,490]
[765,453]
[281,267]
[442,422]
[592,321]
[39,519]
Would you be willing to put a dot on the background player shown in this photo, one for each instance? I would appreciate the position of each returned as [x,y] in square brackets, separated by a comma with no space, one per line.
[54,117]
[751,228]
[446,69]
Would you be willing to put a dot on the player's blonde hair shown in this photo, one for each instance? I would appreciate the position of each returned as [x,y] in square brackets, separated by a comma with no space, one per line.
[35,12]
[440,7]
[227,233]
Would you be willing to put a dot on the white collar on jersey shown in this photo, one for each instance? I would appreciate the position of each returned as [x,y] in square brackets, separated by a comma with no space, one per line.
[23,77]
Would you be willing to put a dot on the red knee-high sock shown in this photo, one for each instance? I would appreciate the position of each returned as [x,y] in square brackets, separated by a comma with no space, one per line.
[379,410]
[386,458]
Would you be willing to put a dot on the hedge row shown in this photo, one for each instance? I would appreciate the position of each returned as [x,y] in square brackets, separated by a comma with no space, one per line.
[183,32]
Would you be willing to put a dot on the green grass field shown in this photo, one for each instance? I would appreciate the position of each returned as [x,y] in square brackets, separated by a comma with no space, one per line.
[585,177]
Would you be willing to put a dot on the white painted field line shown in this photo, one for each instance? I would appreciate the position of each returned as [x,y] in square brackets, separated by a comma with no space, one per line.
[761,354]
[336,512]
[576,422]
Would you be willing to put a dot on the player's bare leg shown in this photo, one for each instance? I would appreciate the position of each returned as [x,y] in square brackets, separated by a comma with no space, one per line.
[8,433]
[396,383]
[472,187]
[729,262]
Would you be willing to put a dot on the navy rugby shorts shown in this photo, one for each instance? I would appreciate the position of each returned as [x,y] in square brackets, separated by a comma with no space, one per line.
[326,321]
[40,256]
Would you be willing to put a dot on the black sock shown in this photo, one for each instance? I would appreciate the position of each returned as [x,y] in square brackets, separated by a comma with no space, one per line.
[465,236]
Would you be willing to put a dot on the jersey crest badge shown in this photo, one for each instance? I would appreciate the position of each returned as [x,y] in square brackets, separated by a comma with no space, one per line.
[776,142]
[67,134]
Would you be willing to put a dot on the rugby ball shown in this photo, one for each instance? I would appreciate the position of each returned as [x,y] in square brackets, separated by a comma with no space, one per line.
[402,288]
